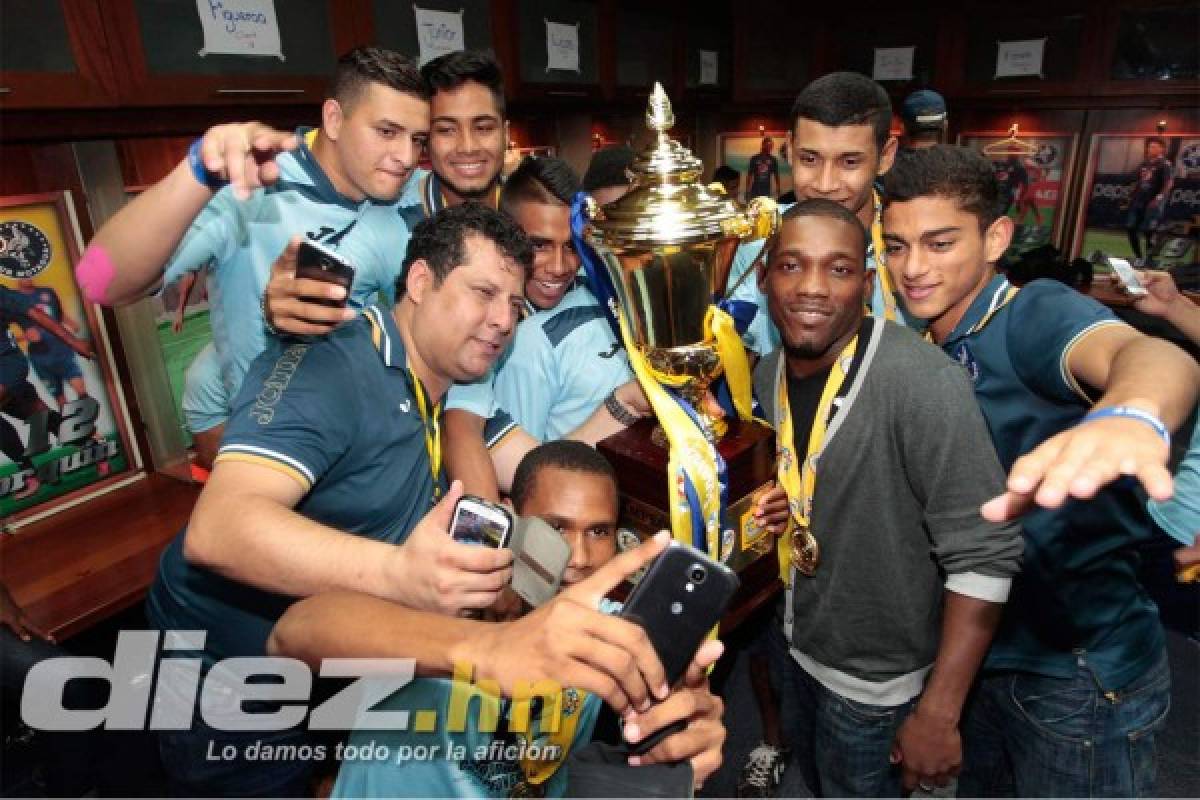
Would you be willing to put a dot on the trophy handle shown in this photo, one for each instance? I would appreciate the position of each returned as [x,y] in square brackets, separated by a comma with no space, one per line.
[759,220]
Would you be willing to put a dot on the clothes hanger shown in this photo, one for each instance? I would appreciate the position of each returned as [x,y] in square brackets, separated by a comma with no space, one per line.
[1010,146]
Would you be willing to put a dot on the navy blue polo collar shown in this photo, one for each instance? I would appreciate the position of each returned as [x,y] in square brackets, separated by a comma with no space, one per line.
[386,337]
[993,296]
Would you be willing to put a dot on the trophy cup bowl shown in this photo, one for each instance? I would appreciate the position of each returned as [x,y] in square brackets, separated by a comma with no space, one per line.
[668,246]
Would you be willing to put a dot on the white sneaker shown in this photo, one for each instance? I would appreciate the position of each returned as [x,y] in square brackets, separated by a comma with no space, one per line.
[762,772]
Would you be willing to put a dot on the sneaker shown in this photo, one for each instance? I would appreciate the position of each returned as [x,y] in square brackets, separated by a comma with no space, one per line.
[762,771]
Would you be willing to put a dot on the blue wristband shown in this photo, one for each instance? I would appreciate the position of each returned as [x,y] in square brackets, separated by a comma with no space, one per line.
[1133,413]
[200,172]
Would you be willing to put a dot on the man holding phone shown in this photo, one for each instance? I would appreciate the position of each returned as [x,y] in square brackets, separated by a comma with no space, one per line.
[329,477]
[572,488]
[466,143]
[245,189]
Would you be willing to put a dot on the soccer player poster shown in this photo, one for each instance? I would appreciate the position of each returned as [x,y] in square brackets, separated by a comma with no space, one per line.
[1034,173]
[63,423]
[1142,198]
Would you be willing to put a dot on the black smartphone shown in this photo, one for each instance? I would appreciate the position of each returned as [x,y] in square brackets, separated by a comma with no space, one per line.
[678,601]
[316,262]
[477,521]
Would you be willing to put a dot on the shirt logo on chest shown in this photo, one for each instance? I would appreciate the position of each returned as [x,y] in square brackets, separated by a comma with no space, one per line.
[405,405]
[962,354]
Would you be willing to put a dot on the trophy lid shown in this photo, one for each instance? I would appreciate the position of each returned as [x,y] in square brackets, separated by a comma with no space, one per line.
[668,204]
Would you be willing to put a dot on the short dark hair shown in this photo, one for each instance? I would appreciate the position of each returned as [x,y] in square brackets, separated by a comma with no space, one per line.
[725,173]
[440,240]
[845,98]
[1158,140]
[958,173]
[539,180]
[452,70]
[609,167]
[821,207]
[566,454]
[363,66]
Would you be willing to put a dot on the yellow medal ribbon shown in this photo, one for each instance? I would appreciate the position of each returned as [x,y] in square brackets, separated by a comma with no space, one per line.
[799,479]
[1009,294]
[567,709]
[433,432]
[881,273]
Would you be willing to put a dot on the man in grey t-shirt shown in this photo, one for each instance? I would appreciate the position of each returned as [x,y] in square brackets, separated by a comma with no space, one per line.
[889,629]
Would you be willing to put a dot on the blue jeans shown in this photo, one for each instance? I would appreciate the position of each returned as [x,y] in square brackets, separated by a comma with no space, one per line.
[843,746]
[1035,736]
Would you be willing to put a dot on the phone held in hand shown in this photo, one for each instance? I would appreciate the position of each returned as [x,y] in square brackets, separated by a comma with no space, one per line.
[477,521]
[1125,274]
[678,601]
[316,262]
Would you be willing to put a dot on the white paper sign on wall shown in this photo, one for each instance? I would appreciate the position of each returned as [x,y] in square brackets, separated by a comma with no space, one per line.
[708,67]
[438,33]
[893,63]
[240,28]
[1020,58]
[562,46]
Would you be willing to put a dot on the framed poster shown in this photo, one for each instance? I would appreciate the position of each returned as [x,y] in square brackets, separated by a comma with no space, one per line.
[1034,174]
[752,154]
[1142,198]
[64,426]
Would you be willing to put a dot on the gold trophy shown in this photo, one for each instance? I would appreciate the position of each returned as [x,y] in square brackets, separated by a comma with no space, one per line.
[667,247]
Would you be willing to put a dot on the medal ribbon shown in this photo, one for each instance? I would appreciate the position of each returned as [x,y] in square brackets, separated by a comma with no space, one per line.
[539,771]
[881,274]
[799,479]
[433,432]
[1009,291]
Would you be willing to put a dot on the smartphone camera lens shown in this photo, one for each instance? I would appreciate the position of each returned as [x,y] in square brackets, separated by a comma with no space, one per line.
[697,573]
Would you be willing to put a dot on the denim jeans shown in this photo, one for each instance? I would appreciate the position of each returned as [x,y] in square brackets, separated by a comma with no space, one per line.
[1035,736]
[843,746]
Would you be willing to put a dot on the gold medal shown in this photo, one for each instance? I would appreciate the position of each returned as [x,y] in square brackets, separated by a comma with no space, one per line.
[806,553]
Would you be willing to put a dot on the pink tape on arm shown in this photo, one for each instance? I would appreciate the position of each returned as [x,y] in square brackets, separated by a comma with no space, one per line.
[94,273]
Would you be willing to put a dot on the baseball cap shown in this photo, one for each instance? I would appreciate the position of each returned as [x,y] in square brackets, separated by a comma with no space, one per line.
[923,109]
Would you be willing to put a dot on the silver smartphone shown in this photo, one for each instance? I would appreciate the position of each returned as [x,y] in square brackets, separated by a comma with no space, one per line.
[476,521]
[1125,273]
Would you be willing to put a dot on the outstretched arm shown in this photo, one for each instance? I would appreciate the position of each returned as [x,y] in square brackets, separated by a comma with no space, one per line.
[126,258]
[1134,371]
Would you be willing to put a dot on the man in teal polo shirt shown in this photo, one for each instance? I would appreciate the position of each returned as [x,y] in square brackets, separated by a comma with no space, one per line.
[1076,683]
[329,477]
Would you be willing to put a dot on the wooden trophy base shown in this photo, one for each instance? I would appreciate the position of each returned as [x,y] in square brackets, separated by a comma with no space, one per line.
[749,452]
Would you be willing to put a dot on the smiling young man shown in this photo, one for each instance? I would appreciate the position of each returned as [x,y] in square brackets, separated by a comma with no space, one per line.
[329,477]
[1076,682]
[466,146]
[564,361]
[334,185]
[893,596]
[467,130]
[841,144]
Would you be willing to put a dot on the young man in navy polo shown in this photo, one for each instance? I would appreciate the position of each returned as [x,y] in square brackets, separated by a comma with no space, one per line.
[329,477]
[1076,683]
